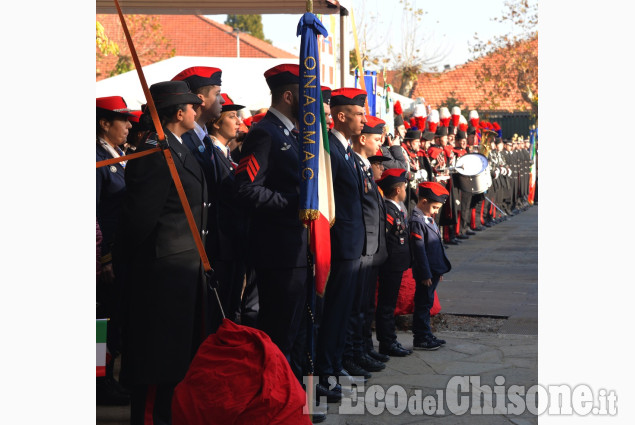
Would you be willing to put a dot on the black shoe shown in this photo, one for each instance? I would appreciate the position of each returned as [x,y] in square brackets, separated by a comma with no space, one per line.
[108,393]
[427,344]
[333,393]
[353,369]
[437,340]
[317,418]
[394,350]
[478,229]
[453,242]
[462,237]
[470,233]
[368,363]
[378,356]
[344,378]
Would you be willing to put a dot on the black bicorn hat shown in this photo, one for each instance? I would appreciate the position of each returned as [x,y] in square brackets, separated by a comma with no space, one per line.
[168,93]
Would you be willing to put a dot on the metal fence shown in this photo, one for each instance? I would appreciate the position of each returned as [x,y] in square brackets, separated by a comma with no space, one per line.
[511,122]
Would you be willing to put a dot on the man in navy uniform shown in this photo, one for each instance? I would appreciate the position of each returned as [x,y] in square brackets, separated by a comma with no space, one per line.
[268,184]
[357,361]
[205,82]
[347,237]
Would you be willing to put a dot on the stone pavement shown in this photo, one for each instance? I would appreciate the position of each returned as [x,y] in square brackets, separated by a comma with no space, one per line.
[482,355]
[494,274]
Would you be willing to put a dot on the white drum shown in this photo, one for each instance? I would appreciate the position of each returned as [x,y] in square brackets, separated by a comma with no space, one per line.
[473,173]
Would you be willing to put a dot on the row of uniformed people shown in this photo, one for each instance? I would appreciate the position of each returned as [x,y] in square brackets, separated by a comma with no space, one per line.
[445,138]
[166,307]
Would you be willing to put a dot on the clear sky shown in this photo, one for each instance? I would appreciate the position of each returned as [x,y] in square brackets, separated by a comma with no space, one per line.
[449,25]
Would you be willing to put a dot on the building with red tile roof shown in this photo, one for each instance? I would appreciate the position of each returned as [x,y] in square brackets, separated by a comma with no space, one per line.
[189,35]
[459,83]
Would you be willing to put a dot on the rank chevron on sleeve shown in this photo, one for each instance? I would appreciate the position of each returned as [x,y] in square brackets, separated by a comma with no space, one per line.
[249,164]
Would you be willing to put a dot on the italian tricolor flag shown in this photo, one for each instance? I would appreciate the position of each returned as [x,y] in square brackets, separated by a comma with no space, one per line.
[101,346]
[320,229]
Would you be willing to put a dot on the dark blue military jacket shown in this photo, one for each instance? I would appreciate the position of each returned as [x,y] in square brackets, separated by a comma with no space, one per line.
[347,234]
[111,188]
[268,183]
[374,214]
[426,247]
[397,239]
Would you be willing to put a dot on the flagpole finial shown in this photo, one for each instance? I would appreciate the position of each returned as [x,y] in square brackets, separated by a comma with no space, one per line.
[309,6]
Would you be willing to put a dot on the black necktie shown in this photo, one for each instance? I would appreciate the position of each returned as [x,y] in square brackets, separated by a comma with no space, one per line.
[209,146]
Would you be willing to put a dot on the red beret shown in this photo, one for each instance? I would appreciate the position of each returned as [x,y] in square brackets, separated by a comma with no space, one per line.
[249,121]
[391,176]
[113,104]
[281,75]
[348,96]
[373,125]
[199,76]
[136,115]
[433,191]
[326,95]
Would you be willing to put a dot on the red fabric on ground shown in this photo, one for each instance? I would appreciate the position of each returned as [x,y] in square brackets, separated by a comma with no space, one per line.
[406,297]
[239,376]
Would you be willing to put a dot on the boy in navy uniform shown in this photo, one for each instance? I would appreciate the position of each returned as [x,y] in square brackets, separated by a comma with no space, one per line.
[357,360]
[429,262]
[393,183]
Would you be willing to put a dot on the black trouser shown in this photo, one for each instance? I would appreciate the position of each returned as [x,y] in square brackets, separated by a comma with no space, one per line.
[370,309]
[282,295]
[354,344]
[249,303]
[336,309]
[424,299]
[387,295]
[152,401]
[466,198]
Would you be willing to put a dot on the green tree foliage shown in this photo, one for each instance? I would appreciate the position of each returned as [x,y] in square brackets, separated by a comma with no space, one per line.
[105,46]
[150,44]
[251,24]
